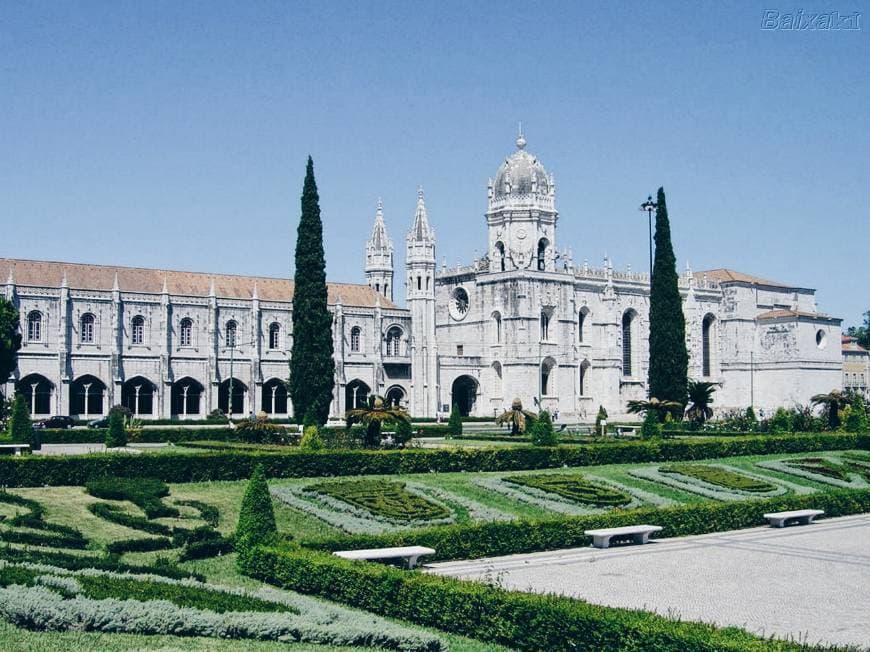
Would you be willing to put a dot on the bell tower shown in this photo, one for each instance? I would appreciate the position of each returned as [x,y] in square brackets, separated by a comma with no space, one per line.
[379,257]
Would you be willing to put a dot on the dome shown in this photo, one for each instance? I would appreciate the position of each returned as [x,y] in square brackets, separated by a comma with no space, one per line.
[521,175]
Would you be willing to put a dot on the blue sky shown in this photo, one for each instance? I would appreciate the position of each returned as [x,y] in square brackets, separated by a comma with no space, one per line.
[175,134]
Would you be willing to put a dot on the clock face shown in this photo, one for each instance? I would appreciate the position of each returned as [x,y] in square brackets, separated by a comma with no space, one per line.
[459,304]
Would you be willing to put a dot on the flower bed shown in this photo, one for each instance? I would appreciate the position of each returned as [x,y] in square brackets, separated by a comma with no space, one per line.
[716,475]
[697,486]
[391,500]
[574,487]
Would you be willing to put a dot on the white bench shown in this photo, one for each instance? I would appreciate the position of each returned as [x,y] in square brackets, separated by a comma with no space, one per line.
[16,448]
[639,533]
[802,516]
[409,553]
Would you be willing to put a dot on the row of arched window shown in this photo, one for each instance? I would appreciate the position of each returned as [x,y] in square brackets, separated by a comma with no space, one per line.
[393,341]
[501,260]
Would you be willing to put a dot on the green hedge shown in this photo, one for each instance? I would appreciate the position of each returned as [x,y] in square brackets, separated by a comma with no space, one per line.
[148,436]
[522,621]
[496,538]
[45,470]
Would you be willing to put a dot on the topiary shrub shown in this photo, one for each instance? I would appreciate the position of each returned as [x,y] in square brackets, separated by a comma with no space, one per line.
[403,433]
[651,427]
[857,421]
[311,439]
[541,432]
[454,425]
[256,517]
[601,416]
[116,435]
[20,428]
[780,422]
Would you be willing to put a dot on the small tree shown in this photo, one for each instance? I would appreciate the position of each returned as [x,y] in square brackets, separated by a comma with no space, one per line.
[404,432]
[651,427]
[256,516]
[311,439]
[856,421]
[833,402]
[700,396]
[10,339]
[373,417]
[601,416]
[454,425]
[780,422]
[751,419]
[517,417]
[116,435]
[20,428]
[541,431]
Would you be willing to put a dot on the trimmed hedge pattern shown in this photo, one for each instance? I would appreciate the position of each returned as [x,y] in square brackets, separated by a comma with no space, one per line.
[33,471]
[720,477]
[473,541]
[573,487]
[391,500]
[522,621]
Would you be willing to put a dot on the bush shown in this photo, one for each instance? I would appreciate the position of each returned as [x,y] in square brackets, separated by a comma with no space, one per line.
[260,430]
[256,516]
[541,431]
[145,493]
[207,548]
[857,420]
[79,562]
[404,433]
[20,427]
[523,621]
[601,416]
[454,424]
[311,439]
[384,498]
[116,435]
[651,427]
[40,470]
[496,538]
[217,416]
[147,544]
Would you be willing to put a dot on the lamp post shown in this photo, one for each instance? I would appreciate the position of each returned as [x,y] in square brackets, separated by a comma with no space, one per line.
[232,348]
[649,206]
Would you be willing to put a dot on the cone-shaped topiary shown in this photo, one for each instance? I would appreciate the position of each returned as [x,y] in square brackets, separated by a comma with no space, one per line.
[668,357]
[116,435]
[312,368]
[541,432]
[256,516]
[454,424]
[20,428]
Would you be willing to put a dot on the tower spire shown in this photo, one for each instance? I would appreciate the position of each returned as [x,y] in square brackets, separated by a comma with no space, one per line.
[421,231]
[379,256]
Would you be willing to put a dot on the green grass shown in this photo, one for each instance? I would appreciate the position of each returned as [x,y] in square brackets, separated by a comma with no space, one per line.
[574,487]
[389,499]
[720,477]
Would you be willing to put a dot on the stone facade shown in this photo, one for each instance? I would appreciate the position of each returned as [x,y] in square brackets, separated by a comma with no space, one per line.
[523,321]
[856,367]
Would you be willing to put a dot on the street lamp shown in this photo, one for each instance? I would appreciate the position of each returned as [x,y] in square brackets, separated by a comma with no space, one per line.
[232,348]
[649,206]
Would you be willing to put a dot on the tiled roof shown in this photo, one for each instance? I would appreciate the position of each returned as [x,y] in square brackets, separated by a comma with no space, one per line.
[725,275]
[39,273]
[850,345]
[778,314]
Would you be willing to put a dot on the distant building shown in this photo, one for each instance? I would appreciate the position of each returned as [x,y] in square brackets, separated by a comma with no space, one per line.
[856,366]
[524,321]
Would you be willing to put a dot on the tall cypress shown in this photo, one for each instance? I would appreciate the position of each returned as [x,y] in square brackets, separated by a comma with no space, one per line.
[312,368]
[668,357]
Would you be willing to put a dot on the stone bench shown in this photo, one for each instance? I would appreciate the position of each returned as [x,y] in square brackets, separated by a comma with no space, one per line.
[638,533]
[409,553]
[802,516]
[15,448]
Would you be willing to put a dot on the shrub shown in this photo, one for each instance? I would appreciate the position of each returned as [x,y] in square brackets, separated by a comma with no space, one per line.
[391,500]
[720,477]
[857,420]
[147,544]
[260,430]
[256,516]
[78,562]
[115,514]
[404,433]
[311,439]
[454,424]
[573,487]
[779,423]
[651,427]
[207,548]
[116,435]
[145,493]
[601,416]
[217,416]
[541,431]
[208,513]
[20,427]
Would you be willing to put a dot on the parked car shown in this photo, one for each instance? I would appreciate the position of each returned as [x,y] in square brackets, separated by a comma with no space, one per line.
[102,422]
[57,421]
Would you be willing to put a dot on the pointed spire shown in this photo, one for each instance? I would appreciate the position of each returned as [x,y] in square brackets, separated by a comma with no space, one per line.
[379,230]
[421,230]
[521,140]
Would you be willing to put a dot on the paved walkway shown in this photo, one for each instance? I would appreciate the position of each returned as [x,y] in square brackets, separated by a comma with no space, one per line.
[809,582]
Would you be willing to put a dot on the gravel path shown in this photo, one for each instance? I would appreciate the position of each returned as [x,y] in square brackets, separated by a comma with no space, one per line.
[810,583]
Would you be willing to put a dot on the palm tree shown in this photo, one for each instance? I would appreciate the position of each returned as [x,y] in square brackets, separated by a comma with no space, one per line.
[654,405]
[517,417]
[373,417]
[700,396]
[834,401]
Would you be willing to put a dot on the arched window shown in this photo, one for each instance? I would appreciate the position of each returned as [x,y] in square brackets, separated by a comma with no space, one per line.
[496,327]
[355,334]
[394,338]
[584,370]
[419,282]
[706,337]
[137,329]
[627,318]
[499,256]
[547,384]
[543,243]
[581,325]
[186,332]
[231,334]
[274,336]
[87,328]
[34,326]
[545,326]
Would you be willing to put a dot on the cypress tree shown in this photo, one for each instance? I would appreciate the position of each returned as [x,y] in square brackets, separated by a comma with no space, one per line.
[454,424]
[256,516]
[20,427]
[10,339]
[668,358]
[312,368]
